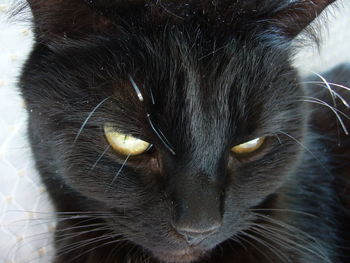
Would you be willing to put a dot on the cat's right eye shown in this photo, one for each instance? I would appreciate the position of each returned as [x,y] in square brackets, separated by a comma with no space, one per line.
[123,143]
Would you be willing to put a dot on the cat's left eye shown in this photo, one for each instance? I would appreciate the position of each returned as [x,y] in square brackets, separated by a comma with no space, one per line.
[248,147]
[123,143]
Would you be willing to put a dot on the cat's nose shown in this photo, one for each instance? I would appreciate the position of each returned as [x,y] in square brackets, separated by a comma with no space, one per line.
[194,236]
[198,206]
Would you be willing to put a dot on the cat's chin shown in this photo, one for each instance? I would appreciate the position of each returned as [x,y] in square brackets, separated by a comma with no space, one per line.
[180,256]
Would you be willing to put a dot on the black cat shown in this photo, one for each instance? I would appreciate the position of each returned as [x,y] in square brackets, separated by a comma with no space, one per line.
[178,131]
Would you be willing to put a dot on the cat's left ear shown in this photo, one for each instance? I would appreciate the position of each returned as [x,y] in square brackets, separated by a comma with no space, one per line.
[57,19]
[296,16]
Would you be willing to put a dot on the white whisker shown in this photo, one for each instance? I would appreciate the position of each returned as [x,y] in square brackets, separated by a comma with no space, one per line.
[305,148]
[136,88]
[335,111]
[321,84]
[152,96]
[119,171]
[327,85]
[274,250]
[160,135]
[316,248]
[330,83]
[99,158]
[88,118]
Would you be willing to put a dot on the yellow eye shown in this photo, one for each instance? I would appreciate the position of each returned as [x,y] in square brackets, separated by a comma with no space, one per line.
[123,143]
[249,147]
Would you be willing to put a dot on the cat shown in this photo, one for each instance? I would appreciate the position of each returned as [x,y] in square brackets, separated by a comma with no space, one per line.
[179,131]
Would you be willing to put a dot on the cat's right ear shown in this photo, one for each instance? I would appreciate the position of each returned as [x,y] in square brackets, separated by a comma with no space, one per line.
[293,18]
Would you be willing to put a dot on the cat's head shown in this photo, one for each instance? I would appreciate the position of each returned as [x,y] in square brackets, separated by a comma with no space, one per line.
[206,87]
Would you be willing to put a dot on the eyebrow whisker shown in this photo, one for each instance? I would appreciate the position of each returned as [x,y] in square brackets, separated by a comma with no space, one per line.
[161,136]
[136,88]
[152,97]
[88,118]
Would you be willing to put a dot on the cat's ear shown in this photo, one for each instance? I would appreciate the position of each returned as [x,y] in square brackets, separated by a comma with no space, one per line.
[296,16]
[70,18]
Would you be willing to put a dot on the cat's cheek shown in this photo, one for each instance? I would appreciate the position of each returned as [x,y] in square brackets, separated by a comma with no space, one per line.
[249,186]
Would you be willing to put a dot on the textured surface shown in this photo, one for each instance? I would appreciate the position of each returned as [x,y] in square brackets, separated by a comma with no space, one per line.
[26,222]
[335,44]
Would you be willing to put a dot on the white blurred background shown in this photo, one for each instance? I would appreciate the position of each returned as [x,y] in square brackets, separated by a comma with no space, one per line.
[335,45]
[26,223]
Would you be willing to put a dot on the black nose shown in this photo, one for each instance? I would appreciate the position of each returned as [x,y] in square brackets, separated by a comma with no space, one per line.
[195,236]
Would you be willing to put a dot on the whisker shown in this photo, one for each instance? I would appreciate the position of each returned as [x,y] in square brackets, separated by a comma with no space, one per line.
[283,210]
[265,244]
[80,244]
[276,237]
[305,148]
[295,230]
[331,92]
[99,158]
[160,135]
[152,97]
[119,171]
[98,246]
[330,83]
[321,84]
[279,139]
[62,237]
[321,102]
[272,234]
[136,88]
[326,104]
[269,237]
[79,213]
[79,227]
[335,111]
[88,118]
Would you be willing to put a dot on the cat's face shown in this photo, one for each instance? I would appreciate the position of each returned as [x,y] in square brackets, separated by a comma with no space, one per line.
[190,94]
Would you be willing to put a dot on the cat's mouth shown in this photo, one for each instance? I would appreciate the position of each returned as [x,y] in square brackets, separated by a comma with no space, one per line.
[181,256]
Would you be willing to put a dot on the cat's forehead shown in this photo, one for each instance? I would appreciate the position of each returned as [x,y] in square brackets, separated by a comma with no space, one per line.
[206,100]
[183,70]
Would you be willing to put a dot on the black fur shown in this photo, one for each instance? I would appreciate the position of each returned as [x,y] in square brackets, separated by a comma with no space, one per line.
[214,74]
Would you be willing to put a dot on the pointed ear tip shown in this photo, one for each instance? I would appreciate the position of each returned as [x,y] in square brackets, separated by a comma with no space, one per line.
[298,18]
